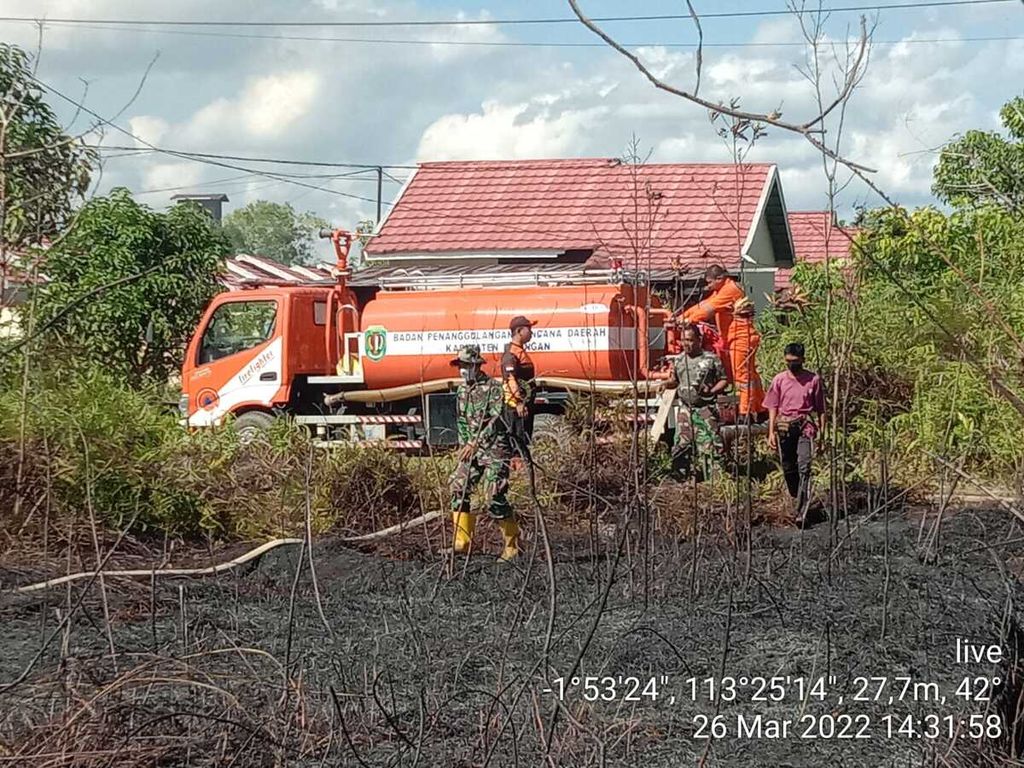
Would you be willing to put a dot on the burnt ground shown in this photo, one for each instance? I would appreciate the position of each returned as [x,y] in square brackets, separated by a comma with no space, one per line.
[431,668]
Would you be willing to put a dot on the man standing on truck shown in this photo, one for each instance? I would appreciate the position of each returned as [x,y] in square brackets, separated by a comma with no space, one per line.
[717,305]
[485,451]
[742,343]
[796,415]
[699,377]
[517,374]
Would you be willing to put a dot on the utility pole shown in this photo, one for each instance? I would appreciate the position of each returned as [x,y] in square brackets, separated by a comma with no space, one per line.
[380,184]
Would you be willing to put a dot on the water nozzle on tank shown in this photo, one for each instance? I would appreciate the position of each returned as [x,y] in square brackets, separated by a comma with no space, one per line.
[342,240]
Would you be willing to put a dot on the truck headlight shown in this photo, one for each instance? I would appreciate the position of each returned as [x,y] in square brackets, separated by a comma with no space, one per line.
[183,404]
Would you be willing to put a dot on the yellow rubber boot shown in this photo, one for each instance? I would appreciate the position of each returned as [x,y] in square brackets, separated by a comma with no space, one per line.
[464,523]
[510,533]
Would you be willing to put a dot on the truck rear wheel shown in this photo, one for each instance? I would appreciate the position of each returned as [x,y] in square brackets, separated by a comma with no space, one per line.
[252,426]
[551,428]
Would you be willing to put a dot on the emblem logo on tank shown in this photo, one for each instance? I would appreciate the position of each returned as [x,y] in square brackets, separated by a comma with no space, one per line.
[375,341]
[593,309]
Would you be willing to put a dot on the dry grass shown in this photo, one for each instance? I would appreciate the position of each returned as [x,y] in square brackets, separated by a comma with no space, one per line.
[364,489]
[196,710]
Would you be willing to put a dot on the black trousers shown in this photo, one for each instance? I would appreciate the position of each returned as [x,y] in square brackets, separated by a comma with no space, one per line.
[797,451]
[519,428]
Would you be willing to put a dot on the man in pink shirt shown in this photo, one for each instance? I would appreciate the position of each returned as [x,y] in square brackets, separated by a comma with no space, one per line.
[796,414]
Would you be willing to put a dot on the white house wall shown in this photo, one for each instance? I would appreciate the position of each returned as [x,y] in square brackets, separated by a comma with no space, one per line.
[758,276]
[10,327]
[457,258]
[759,284]
[761,251]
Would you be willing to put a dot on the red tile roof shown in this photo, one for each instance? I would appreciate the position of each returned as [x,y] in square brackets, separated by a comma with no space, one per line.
[816,235]
[549,206]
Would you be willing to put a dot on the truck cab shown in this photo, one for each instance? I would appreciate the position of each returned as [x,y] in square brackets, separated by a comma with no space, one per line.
[253,351]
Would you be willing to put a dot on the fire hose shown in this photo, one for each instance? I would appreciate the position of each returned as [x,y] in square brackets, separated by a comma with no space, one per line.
[213,570]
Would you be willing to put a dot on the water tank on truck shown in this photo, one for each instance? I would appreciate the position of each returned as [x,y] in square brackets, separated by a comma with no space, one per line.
[590,334]
[582,332]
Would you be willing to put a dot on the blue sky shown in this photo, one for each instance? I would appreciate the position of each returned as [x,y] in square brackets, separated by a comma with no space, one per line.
[383,103]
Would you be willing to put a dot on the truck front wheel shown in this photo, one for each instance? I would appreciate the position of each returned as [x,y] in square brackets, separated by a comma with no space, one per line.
[252,426]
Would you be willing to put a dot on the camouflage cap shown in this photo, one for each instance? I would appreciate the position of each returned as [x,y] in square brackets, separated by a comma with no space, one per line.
[468,355]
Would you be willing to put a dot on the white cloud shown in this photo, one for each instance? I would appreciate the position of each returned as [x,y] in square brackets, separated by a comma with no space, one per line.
[61,37]
[739,71]
[916,97]
[506,132]
[267,107]
[151,130]
[162,175]
[273,104]
[674,148]
[665,63]
[782,29]
[470,35]
[359,6]
[390,103]
[1014,56]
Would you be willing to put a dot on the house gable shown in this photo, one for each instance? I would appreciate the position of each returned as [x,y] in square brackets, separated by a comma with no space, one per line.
[770,243]
[564,211]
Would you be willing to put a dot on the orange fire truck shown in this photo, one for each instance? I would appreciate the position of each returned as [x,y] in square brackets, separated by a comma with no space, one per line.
[378,368]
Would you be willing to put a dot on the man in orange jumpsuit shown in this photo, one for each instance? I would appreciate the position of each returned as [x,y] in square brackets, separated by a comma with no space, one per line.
[718,304]
[742,342]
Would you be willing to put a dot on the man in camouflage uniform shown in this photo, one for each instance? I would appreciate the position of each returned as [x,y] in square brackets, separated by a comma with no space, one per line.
[485,452]
[700,377]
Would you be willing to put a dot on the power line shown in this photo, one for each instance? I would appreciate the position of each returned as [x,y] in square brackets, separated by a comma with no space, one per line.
[197,158]
[248,159]
[516,43]
[229,182]
[223,185]
[208,160]
[212,182]
[504,22]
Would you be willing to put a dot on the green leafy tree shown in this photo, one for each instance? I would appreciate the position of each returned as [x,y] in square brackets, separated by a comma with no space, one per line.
[127,285]
[933,368]
[274,230]
[44,172]
[984,166]
[932,304]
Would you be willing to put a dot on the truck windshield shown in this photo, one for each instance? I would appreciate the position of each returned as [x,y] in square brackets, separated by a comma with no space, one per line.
[236,327]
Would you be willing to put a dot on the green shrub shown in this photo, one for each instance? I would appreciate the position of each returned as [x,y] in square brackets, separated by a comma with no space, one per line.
[916,351]
[119,453]
[360,489]
[104,446]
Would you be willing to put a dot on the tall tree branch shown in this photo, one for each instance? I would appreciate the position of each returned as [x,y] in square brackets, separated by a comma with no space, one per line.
[806,129]
[699,55]
[77,302]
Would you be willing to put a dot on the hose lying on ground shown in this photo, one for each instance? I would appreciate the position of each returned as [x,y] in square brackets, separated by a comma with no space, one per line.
[213,570]
[397,528]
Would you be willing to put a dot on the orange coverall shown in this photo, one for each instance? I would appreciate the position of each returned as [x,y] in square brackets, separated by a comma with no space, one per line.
[718,305]
[741,345]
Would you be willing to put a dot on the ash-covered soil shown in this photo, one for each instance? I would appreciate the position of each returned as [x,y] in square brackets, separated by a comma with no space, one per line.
[426,666]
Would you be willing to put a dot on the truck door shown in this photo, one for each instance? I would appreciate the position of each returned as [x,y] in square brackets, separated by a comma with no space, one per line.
[238,361]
